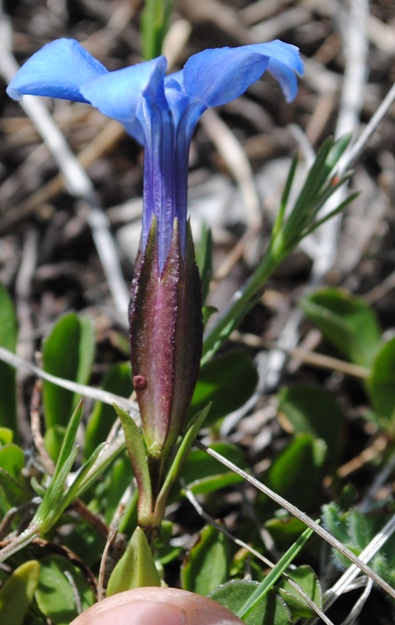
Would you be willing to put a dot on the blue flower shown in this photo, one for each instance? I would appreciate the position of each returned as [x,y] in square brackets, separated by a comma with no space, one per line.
[159,111]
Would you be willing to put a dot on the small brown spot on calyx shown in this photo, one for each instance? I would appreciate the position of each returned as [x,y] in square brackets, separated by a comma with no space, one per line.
[139,383]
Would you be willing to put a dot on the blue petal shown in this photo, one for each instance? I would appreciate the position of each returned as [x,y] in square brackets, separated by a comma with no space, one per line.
[218,76]
[175,95]
[284,64]
[56,71]
[119,94]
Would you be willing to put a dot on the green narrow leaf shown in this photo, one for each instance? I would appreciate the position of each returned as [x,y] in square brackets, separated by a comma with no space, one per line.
[346,321]
[337,150]
[303,216]
[69,439]
[76,490]
[207,564]
[338,209]
[136,568]
[17,593]
[285,196]
[204,259]
[8,337]
[319,171]
[155,20]
[52,504]
[68,353]
[317,188]
[309,193]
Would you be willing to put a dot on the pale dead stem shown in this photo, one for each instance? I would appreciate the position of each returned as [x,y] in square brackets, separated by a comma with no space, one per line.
[328,362]
[86,391]
[307,357]
[35,421]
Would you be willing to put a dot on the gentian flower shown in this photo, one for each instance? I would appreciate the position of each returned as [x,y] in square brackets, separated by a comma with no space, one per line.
[161,113]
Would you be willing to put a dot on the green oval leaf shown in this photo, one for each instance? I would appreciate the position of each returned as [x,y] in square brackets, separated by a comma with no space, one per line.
[227,381]
[308,581]
[346,321]
[297,471]
[313,410]
[68,353]
[6,436]
[61,588]
[204,474]
[12,459]
[284,529]
[17,593]
[271,609]
[381,386]
[136,568]
[206,565]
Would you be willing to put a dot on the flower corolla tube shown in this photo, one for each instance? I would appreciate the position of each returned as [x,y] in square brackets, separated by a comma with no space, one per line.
[160,111]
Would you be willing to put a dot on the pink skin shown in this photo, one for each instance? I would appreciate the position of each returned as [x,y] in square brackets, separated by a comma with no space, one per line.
[157,606]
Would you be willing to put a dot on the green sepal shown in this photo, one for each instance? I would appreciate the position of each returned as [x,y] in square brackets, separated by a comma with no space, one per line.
[136,568]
